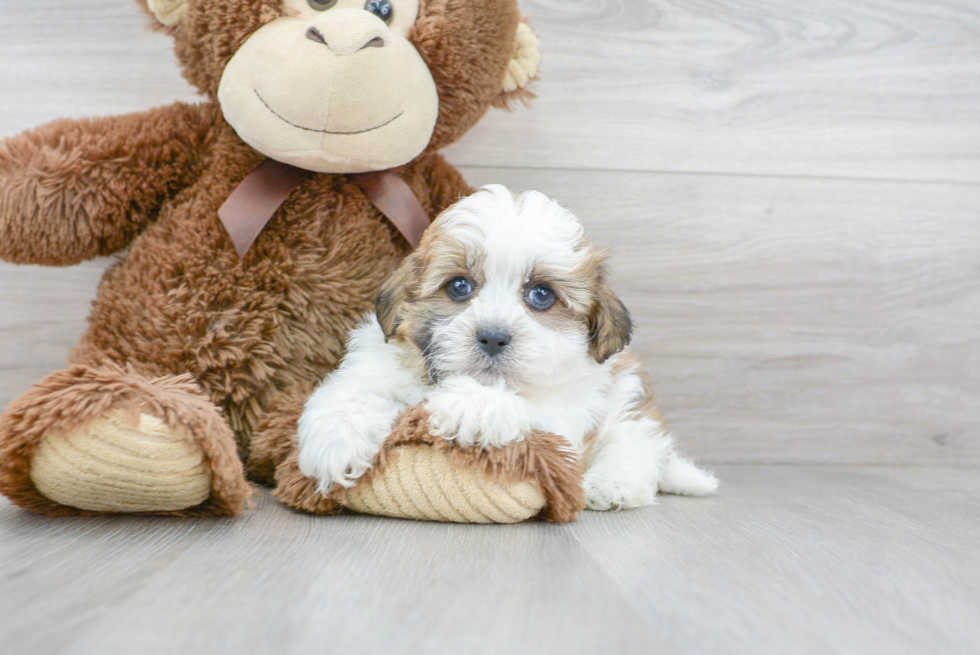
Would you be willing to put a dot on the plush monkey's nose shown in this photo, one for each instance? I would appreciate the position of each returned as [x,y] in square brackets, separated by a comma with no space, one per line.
[348,31]
[493,341]
[313,34]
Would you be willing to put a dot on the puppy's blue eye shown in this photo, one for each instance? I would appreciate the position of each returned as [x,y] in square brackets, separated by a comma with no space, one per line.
[381,8]
[459,288]
[540,297]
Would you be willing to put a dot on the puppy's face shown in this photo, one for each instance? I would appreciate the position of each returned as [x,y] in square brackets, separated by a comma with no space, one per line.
[504,289]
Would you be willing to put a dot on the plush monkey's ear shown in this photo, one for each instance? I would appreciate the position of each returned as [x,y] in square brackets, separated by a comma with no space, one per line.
[168,13]
[393,293]
[610,324]
[522,68]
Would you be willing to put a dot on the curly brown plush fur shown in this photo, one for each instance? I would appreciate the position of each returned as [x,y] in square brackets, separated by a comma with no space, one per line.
[241,333]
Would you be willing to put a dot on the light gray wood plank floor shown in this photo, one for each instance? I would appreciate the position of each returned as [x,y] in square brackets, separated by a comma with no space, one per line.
[784,560]
[871,89]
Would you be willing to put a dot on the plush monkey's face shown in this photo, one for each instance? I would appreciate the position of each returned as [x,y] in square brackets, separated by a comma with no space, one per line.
[333,86]
[350,86]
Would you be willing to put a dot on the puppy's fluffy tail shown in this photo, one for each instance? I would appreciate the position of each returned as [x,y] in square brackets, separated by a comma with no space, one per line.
[681,476]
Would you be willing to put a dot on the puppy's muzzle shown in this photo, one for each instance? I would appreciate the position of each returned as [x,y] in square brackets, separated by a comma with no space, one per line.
[493,341]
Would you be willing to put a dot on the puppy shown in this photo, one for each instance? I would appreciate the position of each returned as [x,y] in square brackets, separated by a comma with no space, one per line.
[502,323]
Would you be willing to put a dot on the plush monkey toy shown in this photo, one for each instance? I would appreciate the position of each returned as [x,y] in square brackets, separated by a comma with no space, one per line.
[209,331]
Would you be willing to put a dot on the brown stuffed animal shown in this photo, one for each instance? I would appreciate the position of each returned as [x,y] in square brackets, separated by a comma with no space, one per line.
[197,358]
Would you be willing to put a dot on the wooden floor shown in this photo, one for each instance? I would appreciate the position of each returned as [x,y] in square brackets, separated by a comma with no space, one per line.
[784,560]
[792,194]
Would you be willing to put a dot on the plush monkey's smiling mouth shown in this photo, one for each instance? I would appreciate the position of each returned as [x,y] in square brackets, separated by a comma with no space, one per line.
[310,129]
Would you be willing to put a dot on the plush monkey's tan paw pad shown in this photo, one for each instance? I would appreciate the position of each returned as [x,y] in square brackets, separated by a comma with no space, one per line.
[421,482]
[168,12]
[524,61]
[118,464]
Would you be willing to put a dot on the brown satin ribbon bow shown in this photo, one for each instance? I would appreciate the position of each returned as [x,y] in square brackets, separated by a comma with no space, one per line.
[254,201]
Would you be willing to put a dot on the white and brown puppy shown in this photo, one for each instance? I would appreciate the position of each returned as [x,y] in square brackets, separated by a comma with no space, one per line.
[501,323]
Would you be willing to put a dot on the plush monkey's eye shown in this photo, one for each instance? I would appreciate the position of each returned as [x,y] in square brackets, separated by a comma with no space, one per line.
[540,297]
[459,288]
[321,5]
[380,8]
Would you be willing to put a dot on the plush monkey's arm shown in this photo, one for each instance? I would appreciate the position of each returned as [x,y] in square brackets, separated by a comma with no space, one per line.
[72,190]
[445,184]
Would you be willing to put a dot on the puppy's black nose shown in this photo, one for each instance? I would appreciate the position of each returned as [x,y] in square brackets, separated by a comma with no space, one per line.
[493,341]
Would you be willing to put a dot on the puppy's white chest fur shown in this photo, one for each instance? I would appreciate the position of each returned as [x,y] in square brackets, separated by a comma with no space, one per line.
[575,409]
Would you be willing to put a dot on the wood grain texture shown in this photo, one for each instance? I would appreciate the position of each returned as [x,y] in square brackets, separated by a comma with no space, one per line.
[95,58]
[829,88]
[783,560]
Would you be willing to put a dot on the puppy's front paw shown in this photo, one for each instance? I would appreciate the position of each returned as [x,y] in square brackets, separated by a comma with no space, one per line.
[471,414]
[337,445]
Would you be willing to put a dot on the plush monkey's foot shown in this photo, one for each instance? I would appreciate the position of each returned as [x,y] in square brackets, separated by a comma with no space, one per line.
[117,464]
[94,440]
[419,476]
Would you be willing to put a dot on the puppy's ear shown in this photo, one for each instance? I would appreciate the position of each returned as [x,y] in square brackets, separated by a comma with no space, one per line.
[609,324]
[394,293]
